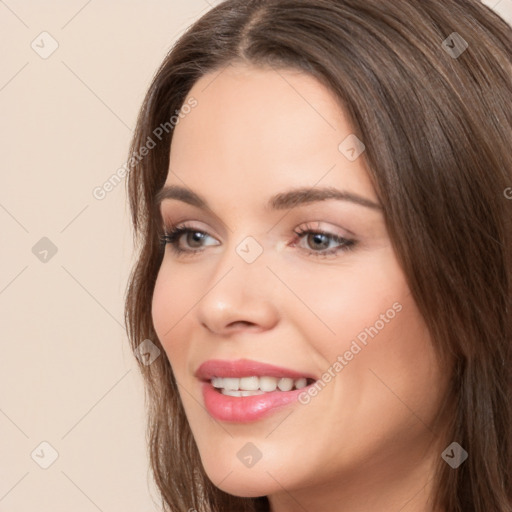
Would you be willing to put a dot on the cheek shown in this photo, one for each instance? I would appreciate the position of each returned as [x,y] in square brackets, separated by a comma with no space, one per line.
[366,315]
[347,302]
[169,305]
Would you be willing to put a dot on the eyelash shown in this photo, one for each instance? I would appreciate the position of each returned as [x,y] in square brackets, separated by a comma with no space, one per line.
[172,235]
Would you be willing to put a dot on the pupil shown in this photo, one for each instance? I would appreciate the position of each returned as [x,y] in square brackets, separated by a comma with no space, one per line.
[318,238]
[196,237]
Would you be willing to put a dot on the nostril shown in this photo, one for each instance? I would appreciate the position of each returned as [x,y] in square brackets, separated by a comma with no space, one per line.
[240,323]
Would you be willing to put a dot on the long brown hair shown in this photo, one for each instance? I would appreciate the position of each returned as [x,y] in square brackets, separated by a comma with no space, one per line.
[434,110]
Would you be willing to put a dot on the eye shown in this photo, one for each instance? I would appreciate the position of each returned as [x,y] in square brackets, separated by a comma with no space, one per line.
[321,241]
[192,236]
[318,242]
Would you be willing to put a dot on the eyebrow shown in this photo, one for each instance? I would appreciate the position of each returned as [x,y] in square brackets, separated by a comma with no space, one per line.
[282,201]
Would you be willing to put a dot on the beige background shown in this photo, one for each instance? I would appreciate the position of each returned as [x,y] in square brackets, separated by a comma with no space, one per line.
[67,374]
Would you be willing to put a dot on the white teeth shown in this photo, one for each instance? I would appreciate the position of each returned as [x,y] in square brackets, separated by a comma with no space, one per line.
[250,383]
[300,383]
[217,382]
[253,385]
[230,392]
[268,383]
[231,383]
[251,393]
[285,384]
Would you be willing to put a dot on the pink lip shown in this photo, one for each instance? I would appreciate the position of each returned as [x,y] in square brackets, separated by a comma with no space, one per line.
[244,409]
[248,408]
[245,368]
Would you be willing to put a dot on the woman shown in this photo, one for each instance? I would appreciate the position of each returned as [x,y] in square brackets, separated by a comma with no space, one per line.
[320,197]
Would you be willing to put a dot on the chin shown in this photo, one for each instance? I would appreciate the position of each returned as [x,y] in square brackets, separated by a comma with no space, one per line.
[250,485]
[243,482]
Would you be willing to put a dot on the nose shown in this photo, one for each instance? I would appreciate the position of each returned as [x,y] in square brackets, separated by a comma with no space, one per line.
[239,296]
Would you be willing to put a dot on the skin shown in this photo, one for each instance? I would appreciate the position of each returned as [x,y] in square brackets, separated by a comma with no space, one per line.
[365,442]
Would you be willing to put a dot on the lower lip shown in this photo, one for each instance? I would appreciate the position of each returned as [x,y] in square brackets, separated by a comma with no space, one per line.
[243,409]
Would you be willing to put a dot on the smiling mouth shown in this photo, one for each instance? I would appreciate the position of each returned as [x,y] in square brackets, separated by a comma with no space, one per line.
[254,385]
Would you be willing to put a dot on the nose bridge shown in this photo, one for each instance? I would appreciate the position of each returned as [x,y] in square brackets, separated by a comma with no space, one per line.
[245,262]
[240,289]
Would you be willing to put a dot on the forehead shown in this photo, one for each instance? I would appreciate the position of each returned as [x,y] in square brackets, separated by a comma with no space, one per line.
[263,128]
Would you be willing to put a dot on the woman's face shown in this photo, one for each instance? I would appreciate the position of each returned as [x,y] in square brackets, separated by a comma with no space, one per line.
[334,307]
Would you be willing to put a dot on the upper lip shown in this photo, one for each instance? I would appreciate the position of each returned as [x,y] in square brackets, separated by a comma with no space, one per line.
[245,368]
